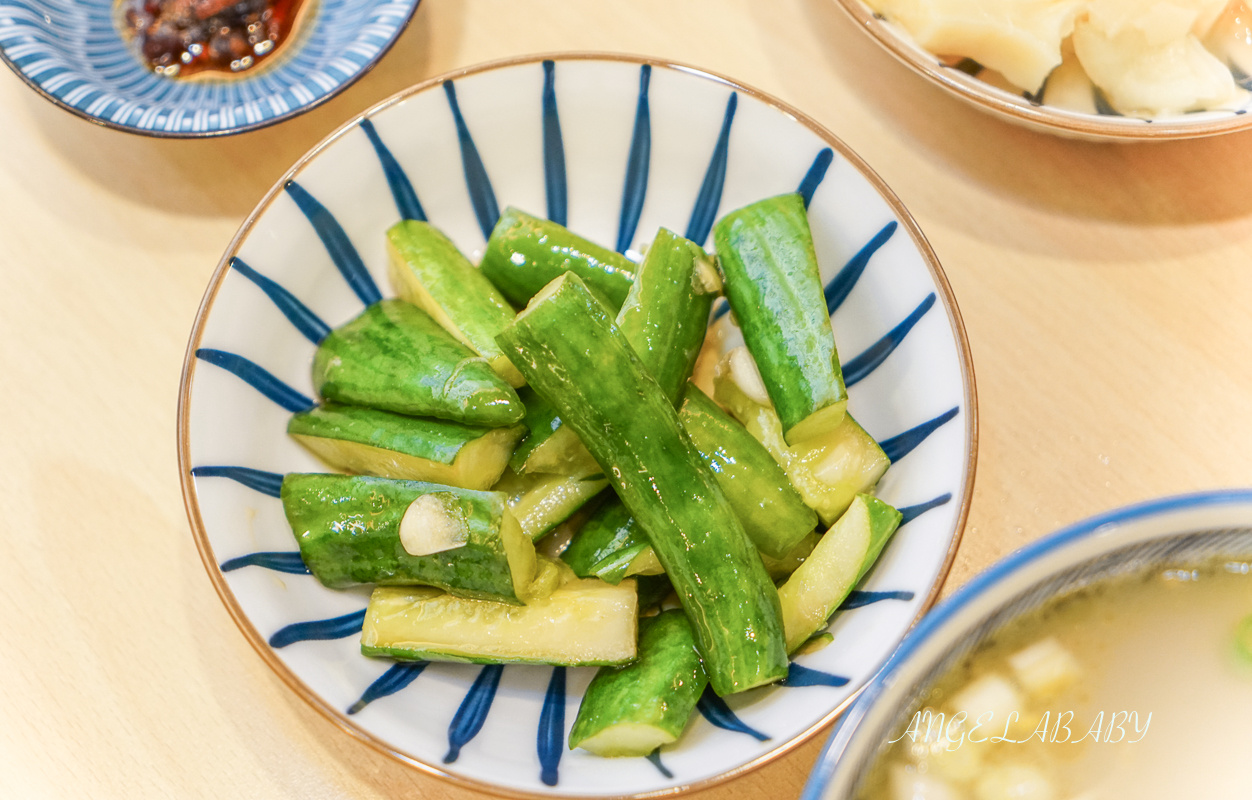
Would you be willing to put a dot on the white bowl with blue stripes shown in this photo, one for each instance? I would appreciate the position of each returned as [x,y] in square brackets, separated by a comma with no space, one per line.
[615,147]
[71,52]
[1170,532]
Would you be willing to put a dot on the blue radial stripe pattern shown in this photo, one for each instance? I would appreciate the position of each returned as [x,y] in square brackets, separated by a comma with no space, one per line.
[638,162]
[710,197]
[257,377]
[551,737]
[482,196]
[296,312]
[290,563]
[70,50]
[333,628]
[800,675]
[402,191]
[337,243]
[715,710]
[550,720]
[473,711]
[553,150]
[396,677]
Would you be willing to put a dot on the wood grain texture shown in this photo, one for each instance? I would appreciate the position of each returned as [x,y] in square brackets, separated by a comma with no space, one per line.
[1105,290]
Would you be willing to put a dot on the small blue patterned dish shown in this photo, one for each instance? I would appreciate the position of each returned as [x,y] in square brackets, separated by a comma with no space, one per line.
[73,53]
[615,148]
[1166,534]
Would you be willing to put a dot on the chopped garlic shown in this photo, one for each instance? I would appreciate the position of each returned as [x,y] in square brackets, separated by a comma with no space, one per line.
[433,523]
[744,372]
[1045,668]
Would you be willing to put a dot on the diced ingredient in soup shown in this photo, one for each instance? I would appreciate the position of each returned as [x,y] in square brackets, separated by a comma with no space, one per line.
[1130,688]
[1148,58]
[177,38]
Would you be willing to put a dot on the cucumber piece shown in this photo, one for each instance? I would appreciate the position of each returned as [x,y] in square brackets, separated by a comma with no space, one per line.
[775,289]
[838,562]
[549,446]
[828,470]
[349,531]
[634,709]
[771,510]
[396,358]
[428,270]
[570,351]
[611,546]
[372,442]
[779,568]
[664,318]
[540,502]
[666,313]
[581,623]
[524,253]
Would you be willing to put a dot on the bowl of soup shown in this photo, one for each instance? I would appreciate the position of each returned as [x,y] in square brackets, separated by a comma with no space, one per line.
[1126,70]
[1112,659]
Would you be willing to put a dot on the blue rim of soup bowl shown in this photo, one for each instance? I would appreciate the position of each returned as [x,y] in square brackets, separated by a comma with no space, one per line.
[846,751]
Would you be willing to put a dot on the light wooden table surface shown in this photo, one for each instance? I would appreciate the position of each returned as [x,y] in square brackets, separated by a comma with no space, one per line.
[1106,291]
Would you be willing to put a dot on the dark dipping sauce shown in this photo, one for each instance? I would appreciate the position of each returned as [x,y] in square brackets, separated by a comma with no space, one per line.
[177,38]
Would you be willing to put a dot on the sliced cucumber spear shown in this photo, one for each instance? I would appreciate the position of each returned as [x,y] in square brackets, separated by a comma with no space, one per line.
[772,512]
[581,623]
[611,546]
[829,469]
[838,562]
[569,350]
[372,442]
[665,317]
[396,358]
[540,502]
[525,252]
[429,271]
[355,529]
[775,290]
[634,709]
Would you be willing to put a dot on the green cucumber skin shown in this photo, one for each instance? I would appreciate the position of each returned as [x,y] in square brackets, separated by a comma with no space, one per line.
[660,688]
[884,522]
[606,544]
[666,313]
[436,440]
[348,526]
[415,654]
[665,318]
[770,509]
[469,300]
[569,350]
[774,287]
[524,253]
[394,357]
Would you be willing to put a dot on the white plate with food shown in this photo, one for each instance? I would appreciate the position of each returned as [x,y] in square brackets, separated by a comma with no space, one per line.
[607,149]
[1125,70]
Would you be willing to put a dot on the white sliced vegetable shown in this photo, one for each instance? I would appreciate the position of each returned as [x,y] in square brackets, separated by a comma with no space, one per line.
[1045,668]
[991,694]
[909,784]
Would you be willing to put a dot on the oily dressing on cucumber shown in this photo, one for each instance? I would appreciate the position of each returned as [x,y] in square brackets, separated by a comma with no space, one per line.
[349,529]
[775,291]
[569,350]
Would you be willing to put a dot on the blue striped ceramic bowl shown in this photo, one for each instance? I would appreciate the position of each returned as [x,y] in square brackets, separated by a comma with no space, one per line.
[1173,531]
[615,148]
[72,53]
